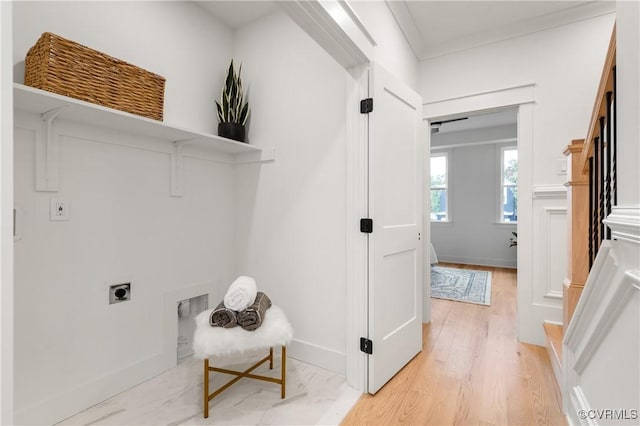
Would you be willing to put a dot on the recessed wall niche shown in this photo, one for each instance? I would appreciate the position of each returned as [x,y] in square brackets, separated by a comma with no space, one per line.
[187,310]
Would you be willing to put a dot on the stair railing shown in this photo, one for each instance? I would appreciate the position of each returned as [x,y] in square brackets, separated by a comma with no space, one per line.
[591,185]
[599,155]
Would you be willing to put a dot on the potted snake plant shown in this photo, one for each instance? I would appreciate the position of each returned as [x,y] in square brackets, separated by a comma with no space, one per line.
[233,110]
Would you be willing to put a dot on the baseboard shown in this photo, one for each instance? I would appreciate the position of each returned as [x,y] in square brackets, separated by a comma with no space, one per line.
[553,345]
[577,403]
[319,356]
[58,407]
[480,261]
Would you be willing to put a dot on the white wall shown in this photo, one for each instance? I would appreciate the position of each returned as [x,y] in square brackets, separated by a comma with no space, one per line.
[628,70]
[151,35]
[6,215]
[565,64]
[472,235]
[72,348]
[291,213]
[392,50]
[124,227]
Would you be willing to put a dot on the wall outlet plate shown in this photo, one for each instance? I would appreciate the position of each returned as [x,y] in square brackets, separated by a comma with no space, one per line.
[562,167]
[119,293]
[58,209]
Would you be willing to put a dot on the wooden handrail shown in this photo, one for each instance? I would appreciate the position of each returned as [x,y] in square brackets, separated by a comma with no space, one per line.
[591,185]
[600,106]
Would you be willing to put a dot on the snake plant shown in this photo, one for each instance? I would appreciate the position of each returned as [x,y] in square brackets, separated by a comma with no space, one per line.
[232,108]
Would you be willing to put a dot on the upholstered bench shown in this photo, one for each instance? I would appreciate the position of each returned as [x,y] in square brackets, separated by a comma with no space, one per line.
[211,341]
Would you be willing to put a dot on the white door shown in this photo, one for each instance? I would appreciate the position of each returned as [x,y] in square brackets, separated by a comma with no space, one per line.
[395,204]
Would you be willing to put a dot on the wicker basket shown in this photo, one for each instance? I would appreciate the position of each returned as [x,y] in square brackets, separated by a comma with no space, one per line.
[67,68]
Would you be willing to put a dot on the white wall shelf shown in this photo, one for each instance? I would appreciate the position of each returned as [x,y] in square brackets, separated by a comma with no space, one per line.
[51,106]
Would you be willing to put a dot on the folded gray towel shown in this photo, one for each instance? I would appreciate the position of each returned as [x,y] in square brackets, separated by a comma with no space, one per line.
[252,317]
[223,317]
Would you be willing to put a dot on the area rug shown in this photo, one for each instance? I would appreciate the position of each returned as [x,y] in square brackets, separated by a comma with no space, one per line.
[462,285]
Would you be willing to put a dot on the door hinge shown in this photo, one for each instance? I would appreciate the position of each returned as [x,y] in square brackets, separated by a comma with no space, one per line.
[366,346]
[366,225]
[366,106]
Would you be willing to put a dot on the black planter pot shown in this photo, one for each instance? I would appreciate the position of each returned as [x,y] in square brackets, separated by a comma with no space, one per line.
[233,131]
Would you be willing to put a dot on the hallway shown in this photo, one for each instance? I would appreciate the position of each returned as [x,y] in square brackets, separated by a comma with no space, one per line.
[472,370]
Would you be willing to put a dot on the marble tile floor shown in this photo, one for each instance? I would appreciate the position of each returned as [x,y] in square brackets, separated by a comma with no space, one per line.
[314,397]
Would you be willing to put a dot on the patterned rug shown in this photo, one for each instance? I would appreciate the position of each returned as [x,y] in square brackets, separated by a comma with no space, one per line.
[462,285]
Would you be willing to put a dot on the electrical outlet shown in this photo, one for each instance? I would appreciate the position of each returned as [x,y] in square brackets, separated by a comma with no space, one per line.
[58,209]
[119,293]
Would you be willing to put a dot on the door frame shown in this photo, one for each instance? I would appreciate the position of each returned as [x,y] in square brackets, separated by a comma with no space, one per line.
[357,255]
[520,97]
[523,98]
[6,215]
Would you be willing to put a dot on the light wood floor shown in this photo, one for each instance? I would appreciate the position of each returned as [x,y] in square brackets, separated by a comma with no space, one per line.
[471,371]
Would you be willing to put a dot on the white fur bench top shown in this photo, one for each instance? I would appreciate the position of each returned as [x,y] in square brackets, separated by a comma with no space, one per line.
[208,341]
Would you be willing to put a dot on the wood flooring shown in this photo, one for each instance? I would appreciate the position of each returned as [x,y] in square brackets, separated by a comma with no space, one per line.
[471,371]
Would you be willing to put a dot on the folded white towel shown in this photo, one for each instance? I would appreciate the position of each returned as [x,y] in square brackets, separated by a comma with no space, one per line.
[241,294]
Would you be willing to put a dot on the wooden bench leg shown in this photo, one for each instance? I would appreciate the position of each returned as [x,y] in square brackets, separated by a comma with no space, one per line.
[284,371]
[206,388]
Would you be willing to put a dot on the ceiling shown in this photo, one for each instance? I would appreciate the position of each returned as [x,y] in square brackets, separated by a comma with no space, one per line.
[237,13]
[435,28]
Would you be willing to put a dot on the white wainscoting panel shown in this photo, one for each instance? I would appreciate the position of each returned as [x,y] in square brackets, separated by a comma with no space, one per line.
[601,346]
[553,258]
[550,241]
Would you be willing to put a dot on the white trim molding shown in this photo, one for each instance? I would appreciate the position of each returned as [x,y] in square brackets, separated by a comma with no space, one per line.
[357,171]
[333,25]
[323,357]
[423,50]
[547,253]
[600,348]
[581,320]
[6,216]
[579,401]
[482,101]
[556,192]
[624,223]
[402,15]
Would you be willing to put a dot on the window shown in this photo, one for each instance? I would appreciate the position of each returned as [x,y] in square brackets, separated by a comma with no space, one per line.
[509,185]
[439,181]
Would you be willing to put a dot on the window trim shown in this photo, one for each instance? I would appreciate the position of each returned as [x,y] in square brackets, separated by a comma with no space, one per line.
[501,185]
[447,187]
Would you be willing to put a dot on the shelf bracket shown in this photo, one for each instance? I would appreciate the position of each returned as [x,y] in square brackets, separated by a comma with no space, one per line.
[177,167]
[48,152]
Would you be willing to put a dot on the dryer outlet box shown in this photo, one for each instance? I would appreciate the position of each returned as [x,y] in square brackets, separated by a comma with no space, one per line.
[119,293]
